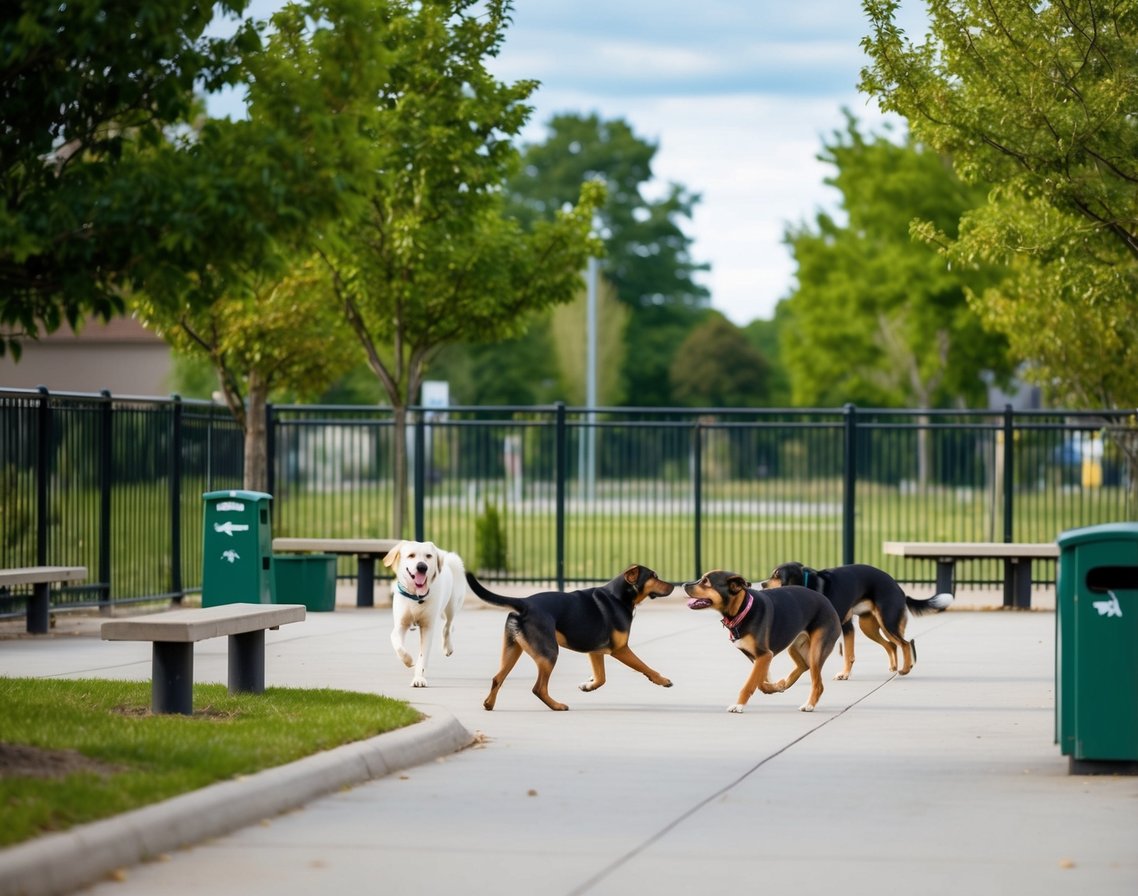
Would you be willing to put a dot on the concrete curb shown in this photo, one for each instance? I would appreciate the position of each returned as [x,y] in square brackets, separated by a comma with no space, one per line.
[61,863]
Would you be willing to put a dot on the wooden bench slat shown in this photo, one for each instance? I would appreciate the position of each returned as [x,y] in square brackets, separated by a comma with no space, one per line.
[968,550]
[335,545]
[199,624]
[32,575]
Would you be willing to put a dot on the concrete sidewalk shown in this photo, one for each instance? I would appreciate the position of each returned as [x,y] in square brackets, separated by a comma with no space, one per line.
[944,781]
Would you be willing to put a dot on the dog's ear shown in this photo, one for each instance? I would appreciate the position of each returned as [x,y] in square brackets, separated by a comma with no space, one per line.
[392,558]
[439,558]
[632,575]
[736,583]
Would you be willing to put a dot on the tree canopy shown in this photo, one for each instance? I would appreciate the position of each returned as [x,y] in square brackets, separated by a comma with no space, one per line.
[878,318]
[85,91]
[1037,101]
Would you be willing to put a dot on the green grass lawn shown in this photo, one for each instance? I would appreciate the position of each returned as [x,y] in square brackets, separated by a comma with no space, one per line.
[76,751]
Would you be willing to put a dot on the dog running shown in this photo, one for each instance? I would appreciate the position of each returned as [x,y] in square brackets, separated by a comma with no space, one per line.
[764,622]
[872,595]
[595,621]
[430,587]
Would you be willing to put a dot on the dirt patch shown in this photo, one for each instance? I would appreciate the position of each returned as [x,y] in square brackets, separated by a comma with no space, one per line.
[23,761]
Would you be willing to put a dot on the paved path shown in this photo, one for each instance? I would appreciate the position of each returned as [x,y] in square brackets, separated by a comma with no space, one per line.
[946,781]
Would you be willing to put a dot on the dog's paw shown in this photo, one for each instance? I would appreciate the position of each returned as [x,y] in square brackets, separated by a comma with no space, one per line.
[735,707]
[408,660]
[842,676]
[418,682]
[807,707]
[590,685]
[665,682]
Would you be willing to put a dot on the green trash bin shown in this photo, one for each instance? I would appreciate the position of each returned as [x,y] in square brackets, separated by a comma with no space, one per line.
[1096,649]
[237,548]
[308,579]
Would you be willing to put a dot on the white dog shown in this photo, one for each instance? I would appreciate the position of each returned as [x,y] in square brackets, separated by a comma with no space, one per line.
[430,586]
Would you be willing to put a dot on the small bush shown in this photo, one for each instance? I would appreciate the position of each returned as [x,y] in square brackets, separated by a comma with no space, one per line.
[490,539]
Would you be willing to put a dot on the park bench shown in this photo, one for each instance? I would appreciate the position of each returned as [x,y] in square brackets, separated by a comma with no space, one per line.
[367,551]
[1017,562]
[174,634]
[41,579]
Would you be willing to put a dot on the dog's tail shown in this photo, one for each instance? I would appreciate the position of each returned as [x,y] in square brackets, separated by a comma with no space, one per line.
[514,603]
[938,603]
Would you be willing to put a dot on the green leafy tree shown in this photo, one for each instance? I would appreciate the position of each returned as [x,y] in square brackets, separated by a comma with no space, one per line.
[647,258]
[1036,100]
[87,88]
[273,332]
[877,318]
[429,256]
[717,367]
[570,322]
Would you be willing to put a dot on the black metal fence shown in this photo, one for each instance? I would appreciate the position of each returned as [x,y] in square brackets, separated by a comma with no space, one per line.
[550,494]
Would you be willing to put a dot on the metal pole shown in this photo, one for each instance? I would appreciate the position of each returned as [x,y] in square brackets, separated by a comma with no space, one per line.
[591,381]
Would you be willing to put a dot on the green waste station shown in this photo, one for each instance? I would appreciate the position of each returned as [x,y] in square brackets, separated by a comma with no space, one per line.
[237,548]
[308,579]
[1096,649]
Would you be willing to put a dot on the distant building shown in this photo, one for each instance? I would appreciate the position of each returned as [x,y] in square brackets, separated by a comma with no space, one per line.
[120,356]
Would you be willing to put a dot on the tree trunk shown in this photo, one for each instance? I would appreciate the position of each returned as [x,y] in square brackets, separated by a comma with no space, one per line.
[256,436]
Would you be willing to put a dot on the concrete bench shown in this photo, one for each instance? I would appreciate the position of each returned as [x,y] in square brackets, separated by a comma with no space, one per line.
[41,578]
[1017,562]
[367,551]
[174,634]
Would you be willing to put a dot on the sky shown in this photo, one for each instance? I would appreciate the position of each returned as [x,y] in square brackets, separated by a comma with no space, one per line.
[737,95]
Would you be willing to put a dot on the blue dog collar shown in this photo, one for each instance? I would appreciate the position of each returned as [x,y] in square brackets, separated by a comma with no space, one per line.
[399,587]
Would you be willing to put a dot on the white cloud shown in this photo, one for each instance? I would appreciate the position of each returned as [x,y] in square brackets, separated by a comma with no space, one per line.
[738,97]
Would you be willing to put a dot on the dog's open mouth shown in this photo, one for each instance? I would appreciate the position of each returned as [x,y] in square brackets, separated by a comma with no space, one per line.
[419,580]
[698,603]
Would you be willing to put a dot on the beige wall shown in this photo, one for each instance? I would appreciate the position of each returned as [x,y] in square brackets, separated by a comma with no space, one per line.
[120,356]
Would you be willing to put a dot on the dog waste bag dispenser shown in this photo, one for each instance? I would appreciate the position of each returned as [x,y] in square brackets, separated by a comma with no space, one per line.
[1096,648]
[237,548]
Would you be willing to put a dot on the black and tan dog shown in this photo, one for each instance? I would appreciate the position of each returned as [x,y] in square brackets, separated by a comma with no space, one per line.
[874,597]
[765,622]
[595,621]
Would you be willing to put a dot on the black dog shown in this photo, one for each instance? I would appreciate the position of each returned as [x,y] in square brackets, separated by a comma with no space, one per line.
[763,623]
[873,596]
[595,621]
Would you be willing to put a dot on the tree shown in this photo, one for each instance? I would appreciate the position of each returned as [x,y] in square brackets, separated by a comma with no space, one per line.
[716,367]
[86,90]
[1036,100]
[877,318]
[269,331]
[429,256]
[647,254]
[570,323]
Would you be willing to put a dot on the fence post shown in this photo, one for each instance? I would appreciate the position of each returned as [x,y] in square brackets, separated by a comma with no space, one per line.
[697,496]
[1009,471]
[271,453]
[43,473]
[849,494]
[560,453]
[176,435]
[106,486]
[419,460]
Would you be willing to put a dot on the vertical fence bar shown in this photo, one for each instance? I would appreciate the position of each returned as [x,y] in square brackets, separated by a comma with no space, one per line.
[176,436]
[560,453]
[43,474]
[697,496]
[849,498]
[1009,471]
[419,459]
[270,451]
[106,490]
